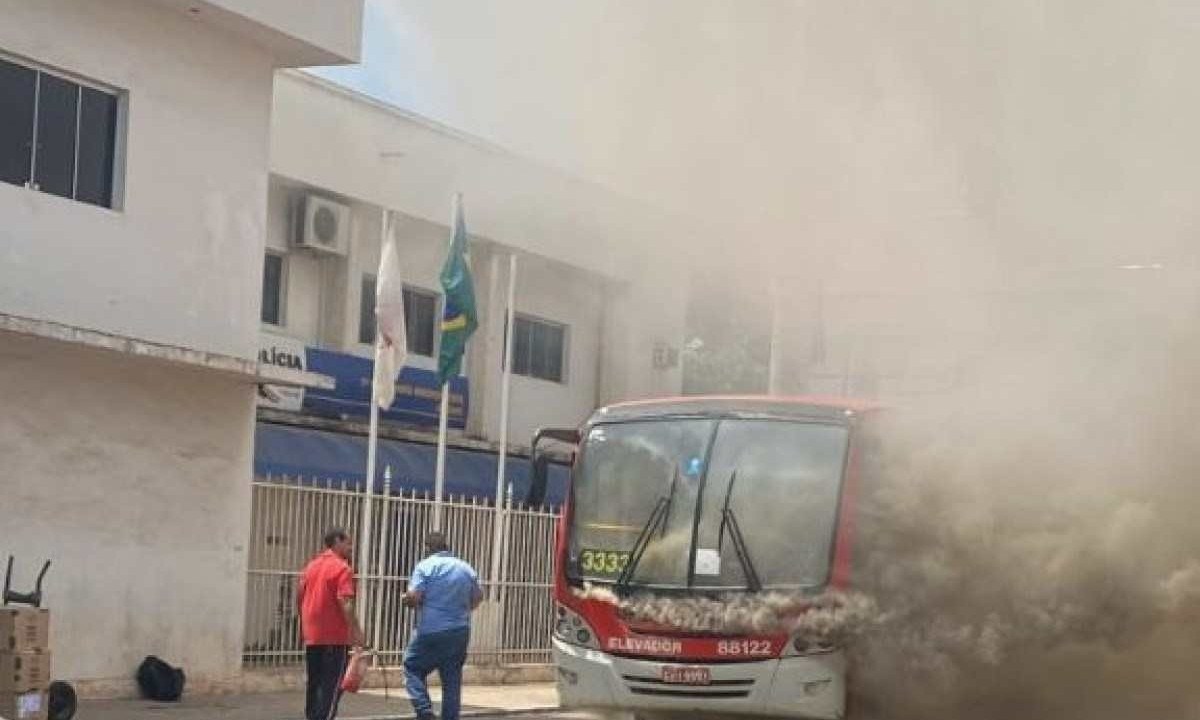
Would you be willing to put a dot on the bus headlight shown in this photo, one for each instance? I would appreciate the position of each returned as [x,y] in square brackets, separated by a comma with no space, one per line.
[571,628]
[801,645]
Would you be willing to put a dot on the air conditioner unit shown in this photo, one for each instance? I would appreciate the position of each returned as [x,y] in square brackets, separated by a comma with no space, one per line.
[322,225]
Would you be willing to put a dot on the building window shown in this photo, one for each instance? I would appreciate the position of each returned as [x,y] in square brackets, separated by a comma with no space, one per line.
[272,289]
[57,135]
[366,311]
[420,317]
[421,320]
[539,348]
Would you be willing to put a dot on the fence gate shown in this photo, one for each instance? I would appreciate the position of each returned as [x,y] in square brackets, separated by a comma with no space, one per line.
[288,524]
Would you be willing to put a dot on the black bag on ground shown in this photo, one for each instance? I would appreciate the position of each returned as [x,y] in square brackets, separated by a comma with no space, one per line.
[159,681]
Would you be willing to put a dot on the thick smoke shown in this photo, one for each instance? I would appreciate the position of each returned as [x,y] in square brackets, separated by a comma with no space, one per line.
[1031,541]
[1028,547]
[956,183]
[826,620]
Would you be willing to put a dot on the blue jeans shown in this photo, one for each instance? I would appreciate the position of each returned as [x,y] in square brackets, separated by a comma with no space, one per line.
[445,652]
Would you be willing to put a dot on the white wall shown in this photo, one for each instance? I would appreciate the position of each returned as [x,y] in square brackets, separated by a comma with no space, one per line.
[131,475]
[180,263]
[546,290]
[318,32]
[301,302]
[422,249]
[557,293]
[647,310]
[134,479]
[333,138]
[590,258]
[322,292]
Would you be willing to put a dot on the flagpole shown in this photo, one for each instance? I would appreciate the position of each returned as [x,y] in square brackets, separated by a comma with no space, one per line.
[439,478]
[458,322]
[385,521]
[372,445]
[369,494]
[505,383]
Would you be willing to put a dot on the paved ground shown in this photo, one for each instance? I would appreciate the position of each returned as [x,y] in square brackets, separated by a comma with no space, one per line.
[478,701]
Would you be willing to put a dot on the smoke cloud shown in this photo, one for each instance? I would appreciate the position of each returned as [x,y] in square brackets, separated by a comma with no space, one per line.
[823,621]
[1028,546]
[1031,540]
[946,194]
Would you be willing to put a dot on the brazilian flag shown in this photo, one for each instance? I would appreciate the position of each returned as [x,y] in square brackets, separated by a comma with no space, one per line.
[459,318]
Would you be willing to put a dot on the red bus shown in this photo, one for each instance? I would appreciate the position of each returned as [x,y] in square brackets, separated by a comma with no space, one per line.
[707,497]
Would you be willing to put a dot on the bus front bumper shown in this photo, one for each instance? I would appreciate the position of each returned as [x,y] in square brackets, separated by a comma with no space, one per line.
[811,686]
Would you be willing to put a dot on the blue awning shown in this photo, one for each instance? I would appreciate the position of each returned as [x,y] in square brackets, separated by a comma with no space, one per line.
[321,455]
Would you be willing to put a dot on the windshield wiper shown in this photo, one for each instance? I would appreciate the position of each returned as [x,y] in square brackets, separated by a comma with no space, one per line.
[725,510]
[670,498]
[739,544]
[729,520]
[657,515]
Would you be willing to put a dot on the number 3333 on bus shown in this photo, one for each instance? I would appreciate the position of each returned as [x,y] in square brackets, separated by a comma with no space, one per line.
[603,562]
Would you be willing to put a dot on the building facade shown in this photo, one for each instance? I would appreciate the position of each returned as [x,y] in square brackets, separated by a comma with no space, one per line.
[593,322]
[134,159]
[166,313]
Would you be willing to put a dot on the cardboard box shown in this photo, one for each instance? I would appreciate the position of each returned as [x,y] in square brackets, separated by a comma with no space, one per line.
[24,706]
[24,629]
[22,672]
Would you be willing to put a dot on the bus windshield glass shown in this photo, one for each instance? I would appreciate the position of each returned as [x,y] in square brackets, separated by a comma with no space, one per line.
[736,494]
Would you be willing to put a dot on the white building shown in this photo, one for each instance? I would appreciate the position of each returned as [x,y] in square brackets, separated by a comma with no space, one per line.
[599,317]
[150,159]
[133,190]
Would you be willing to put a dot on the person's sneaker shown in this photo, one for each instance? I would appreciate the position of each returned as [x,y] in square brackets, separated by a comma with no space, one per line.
[426,716]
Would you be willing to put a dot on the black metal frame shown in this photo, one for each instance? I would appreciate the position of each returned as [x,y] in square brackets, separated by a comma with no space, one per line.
[12,597]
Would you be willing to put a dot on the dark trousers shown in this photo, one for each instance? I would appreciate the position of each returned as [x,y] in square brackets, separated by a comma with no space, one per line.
[445,652]
[326,664]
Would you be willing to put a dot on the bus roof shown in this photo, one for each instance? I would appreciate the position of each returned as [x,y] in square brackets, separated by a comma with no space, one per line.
[798,406]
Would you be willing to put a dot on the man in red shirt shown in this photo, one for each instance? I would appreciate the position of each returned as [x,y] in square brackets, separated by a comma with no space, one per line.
[328,622]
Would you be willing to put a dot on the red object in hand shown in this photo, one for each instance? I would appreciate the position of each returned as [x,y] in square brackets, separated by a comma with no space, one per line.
[356,671]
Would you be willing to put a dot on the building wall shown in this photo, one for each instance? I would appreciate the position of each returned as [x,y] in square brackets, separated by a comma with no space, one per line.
[322,292]
[589,258]
[323,295]
[133,477]
[553,292]
[333,138]
[181,261]
[421,246]
[323,33]
[643,314]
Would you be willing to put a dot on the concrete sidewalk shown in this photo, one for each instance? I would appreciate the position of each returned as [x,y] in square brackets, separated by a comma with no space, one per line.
[478,700]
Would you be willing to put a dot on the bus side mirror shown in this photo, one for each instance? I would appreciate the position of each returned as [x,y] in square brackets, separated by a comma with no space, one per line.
[539,479]
[567,436]
[539,461]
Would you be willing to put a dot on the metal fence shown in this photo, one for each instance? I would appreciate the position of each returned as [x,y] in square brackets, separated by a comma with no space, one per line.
[289,520]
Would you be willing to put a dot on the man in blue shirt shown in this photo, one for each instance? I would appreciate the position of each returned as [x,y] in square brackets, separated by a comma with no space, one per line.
[445,590]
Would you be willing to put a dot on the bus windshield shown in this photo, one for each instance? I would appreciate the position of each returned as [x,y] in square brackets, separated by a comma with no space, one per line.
[777,481]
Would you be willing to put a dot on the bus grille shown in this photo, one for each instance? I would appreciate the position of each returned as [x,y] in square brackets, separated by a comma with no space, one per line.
[717,689]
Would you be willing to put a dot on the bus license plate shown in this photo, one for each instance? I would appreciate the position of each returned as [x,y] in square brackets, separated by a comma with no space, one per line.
[677,675]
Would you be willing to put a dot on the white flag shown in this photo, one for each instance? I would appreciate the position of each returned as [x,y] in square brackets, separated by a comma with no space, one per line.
[391,336]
